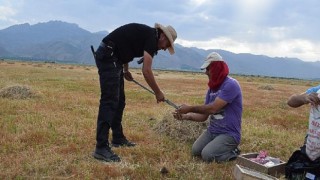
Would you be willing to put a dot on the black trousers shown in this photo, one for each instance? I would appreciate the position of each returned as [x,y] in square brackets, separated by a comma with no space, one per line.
[112,100]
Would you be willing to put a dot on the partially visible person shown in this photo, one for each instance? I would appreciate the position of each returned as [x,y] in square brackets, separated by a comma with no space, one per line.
[115,52]
[308,97]
[312,141]
[223,108]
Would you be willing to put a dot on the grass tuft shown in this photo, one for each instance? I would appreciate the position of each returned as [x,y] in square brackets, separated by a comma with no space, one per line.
[17,92]
[266,87]
[182,131]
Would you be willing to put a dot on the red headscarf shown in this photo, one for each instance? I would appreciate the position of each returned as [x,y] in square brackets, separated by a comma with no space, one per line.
[218,72]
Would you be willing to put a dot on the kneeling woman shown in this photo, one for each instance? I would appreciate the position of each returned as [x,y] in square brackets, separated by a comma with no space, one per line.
[223,108]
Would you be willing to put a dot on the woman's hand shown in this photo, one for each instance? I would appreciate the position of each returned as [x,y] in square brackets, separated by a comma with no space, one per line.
[177,116]
[183,109]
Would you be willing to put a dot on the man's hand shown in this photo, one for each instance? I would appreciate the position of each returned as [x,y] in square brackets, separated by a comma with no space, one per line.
[312,98]
[160,97]
[127,75]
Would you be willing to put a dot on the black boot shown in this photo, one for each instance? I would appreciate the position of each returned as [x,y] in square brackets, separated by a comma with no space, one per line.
[106,155]
[122,143]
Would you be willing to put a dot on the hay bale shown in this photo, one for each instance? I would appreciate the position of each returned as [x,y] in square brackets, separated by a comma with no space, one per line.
[266,87]
[182,131]
[17,92]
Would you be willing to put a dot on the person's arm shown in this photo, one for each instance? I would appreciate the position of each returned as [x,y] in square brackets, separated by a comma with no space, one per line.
[126,73]
[298,100]
[125,67]
[149,77]
[191,117]
[207,109]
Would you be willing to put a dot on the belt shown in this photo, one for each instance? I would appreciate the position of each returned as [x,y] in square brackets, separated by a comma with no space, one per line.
[109,45]
[103,45]
[108,48]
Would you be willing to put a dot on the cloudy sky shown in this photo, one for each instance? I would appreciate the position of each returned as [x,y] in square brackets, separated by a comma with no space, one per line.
[276,28]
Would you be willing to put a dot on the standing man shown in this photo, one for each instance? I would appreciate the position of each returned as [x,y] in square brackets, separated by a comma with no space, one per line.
[112,57]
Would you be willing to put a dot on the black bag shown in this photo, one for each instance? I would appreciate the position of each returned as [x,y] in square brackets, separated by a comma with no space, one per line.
[299,166]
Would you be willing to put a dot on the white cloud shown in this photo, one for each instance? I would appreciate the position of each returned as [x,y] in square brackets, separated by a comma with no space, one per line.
[224,43]
[253,7]
[196,3]
[299,48]
[6,13]
[278,33]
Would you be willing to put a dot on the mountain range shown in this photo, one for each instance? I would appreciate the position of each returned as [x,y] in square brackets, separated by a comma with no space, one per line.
[63,42]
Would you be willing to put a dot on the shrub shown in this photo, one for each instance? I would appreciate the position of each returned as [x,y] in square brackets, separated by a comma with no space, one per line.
[17,92]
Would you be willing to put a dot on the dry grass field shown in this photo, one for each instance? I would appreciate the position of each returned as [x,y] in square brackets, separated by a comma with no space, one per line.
[51,133]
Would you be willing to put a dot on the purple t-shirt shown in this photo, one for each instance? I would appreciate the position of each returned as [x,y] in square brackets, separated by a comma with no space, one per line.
[228,120]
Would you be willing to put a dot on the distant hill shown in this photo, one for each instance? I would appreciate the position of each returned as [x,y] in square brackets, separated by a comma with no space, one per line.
[54,41]
[68,43]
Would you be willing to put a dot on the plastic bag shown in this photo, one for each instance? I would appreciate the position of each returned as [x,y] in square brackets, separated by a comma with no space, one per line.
[313,139]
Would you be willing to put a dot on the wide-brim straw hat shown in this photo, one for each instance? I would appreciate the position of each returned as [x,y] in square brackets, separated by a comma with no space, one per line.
[170,33]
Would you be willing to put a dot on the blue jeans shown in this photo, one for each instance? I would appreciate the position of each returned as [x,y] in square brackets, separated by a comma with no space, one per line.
[112,100]
[215,147]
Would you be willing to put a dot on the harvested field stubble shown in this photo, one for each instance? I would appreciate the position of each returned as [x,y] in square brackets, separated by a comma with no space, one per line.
[52,137]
